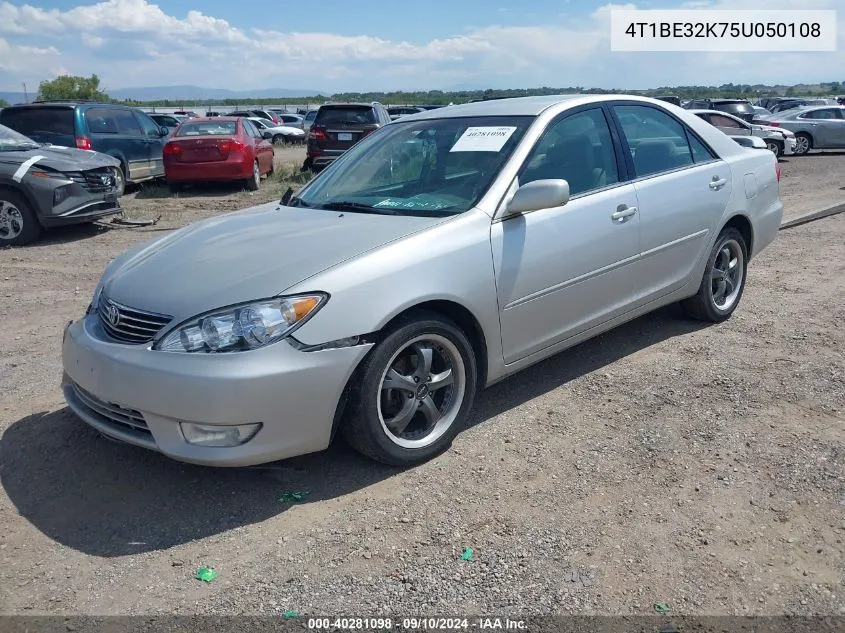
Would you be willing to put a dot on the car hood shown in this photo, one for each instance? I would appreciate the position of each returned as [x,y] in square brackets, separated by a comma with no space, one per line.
[60,158]
[772,128]
[247,255]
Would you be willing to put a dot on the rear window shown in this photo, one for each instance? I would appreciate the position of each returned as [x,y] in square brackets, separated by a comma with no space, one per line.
[208,128]
[38,121]
[346,115]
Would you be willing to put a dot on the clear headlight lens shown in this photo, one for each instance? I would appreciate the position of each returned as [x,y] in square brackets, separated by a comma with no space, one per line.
[243,327]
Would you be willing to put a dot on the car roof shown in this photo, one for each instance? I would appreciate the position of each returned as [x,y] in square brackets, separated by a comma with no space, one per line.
[719,112]
[523,106]
[214,119]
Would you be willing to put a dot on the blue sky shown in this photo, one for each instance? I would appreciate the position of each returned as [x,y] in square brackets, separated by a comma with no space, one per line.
[335,45]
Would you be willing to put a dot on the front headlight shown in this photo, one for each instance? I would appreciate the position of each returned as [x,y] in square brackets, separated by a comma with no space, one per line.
[244,327]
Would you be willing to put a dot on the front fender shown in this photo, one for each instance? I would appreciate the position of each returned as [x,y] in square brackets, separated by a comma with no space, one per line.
[449,262]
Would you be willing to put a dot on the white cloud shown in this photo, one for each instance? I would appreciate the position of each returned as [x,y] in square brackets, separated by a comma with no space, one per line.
[124,42]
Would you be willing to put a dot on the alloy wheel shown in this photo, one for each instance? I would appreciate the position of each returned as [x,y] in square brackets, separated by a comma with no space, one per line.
[11,220]
[726,275]
[421,391]
[802,145]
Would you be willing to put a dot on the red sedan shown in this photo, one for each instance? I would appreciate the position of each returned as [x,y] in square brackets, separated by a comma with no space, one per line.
[217,148]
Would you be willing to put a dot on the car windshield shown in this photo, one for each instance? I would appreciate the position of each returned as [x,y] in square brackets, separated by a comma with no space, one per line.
[431,167]
[11,141]
[208,128]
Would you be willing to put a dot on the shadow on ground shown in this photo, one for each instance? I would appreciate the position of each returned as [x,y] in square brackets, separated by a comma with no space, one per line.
[108,499]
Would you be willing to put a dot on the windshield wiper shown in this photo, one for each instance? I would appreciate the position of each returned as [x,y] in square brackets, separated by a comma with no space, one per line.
[359,207]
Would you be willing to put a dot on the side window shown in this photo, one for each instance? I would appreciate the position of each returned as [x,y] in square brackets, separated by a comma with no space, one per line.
[126,122]
[578,149]
[722,121]
[700,152]
[827,114]
[251,130]
[657,141]
[150,128]
[100,121]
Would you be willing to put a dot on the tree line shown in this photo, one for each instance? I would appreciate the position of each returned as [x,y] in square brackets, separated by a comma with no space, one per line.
[88,88]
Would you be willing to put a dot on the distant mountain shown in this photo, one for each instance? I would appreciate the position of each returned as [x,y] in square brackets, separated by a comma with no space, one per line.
[197,93]
[185,93]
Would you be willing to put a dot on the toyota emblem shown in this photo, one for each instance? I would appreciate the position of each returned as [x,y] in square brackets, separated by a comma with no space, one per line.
[112,314]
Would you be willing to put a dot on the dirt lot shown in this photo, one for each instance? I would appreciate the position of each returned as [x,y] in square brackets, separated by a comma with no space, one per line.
[666,461]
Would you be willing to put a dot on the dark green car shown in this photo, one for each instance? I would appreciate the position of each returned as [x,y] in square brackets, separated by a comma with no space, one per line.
[126,133]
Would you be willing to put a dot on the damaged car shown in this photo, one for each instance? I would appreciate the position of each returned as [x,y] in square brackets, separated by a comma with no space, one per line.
[44,186]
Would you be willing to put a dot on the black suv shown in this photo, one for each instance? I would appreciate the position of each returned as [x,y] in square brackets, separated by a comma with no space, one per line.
[337,127]
[738,107]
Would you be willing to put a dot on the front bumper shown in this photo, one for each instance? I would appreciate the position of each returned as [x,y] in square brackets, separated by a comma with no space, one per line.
[79,206]
[789,145]
[137,395]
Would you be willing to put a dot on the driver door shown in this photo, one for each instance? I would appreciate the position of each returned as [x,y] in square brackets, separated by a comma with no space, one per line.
[563,270]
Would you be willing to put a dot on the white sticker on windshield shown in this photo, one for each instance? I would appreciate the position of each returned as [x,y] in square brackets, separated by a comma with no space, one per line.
[483,139]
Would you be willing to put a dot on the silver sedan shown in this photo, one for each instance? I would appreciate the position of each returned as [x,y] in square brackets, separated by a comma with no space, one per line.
[441,254]
[814,127]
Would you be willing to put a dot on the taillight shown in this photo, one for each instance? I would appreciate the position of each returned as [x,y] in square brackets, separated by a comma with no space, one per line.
[777,170]
[276,121]
[172,149]
[771,123]
[229,145]
[317,134]
[83,142]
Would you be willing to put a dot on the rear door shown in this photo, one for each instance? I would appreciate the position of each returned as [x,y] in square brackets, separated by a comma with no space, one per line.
[155,143]
[263,148]
[115,131]
[682,191]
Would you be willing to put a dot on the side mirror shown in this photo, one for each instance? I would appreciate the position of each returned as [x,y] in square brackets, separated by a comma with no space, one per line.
[540,194]
[164,131]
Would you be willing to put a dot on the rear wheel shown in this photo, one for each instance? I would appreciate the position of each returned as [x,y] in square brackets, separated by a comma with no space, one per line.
[255,181]
[18,224]
[803,143]
[724,279]
[415,391]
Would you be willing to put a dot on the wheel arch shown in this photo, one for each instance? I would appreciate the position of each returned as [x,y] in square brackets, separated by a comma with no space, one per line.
[809,136]
[9,185]
[449,309]
[742,224]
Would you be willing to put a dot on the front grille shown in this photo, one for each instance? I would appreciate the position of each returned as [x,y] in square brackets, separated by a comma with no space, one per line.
[92,179]
[129,325]
[127,419]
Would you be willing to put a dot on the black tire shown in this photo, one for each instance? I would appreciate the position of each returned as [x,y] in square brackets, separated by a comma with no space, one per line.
[775,148]
[176,187]
[272,165]
[804,143]
[705,305]
[364,428]
[120,180]
[18,223]
[254,182]
[308,164]
[278,139]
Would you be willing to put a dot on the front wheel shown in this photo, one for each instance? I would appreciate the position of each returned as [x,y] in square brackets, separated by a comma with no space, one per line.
[18,224]
[775,148]
[803,143]
[415,391]
[724,279]
[278,139]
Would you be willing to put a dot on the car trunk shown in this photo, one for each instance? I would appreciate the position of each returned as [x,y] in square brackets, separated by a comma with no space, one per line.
[339,128]
[202,149]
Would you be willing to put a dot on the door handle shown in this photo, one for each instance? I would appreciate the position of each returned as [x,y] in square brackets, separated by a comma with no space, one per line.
[622,212]
[717,183]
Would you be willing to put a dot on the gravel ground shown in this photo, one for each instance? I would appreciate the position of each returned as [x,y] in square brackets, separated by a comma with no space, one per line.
[665,461]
